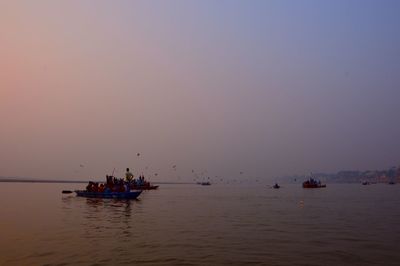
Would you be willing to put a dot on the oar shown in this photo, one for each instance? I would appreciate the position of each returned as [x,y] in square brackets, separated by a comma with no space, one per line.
[66,192]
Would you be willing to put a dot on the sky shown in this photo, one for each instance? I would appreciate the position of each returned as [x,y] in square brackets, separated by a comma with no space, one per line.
[266,88]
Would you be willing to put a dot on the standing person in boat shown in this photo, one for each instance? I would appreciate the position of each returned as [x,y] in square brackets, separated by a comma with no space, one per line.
[129,176]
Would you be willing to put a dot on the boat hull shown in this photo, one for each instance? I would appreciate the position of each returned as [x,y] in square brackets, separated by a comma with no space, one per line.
[108,195]
[144,187]
[313,186]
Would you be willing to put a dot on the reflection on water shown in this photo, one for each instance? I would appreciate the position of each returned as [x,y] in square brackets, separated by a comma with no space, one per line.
[195,225]
[108,218]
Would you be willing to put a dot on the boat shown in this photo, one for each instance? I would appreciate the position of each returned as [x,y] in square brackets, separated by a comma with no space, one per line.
[205,183]
[142,184]
[144,187]
[276,186]
[313,183]
[366,183]
[391,183]
[108,195]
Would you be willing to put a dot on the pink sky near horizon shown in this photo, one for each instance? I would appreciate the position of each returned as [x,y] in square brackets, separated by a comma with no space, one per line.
[226,87]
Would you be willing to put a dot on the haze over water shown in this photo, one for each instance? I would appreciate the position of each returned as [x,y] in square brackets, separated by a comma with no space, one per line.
[239,93]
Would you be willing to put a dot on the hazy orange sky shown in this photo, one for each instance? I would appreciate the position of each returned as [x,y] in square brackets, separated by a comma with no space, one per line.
[269,88]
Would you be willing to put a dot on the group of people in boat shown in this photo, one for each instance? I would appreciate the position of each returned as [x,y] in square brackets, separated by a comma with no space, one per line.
[114,184]
[313,181]
[140,182]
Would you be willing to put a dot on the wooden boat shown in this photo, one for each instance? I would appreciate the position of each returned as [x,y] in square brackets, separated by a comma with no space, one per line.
[108,195]
[312,183]
[144,187]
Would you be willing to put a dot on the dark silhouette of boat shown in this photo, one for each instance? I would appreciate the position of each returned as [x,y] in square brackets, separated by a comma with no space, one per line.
[313,183]
[108,195]
[141,184]
[276,186]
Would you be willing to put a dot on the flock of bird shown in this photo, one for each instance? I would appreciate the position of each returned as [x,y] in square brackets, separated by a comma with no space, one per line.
[196,176]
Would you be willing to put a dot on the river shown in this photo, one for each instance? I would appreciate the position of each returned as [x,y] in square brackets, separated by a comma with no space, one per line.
[343,224]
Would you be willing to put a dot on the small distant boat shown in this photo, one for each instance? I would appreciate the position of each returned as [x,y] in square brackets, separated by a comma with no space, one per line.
[366,183]
[204,183]
[108,195]
[313,183]
[276,186]
[391,183]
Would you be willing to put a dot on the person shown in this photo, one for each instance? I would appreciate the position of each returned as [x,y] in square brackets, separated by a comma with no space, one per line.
[127,186]
[90,186]
[101,188]
[109,180]
[128,175]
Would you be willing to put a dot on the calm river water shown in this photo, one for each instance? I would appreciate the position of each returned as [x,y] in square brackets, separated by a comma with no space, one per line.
[202,225]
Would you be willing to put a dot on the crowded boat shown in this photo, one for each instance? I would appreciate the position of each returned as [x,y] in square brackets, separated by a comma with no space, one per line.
[313,183]
[114,184]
